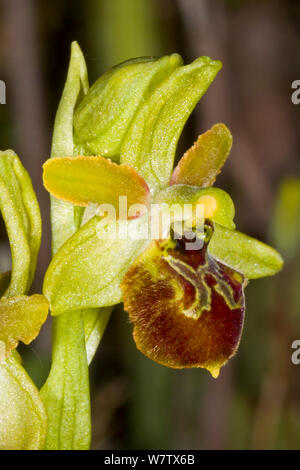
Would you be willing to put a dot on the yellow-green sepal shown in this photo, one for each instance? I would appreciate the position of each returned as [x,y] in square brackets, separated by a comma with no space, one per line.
[150,143]
[102,118]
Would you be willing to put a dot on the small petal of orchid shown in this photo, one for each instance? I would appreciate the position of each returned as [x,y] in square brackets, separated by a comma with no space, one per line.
[94,180]
[187,308]
[201,164]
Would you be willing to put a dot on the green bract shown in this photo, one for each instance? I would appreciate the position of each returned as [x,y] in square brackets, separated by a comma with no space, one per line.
[23,423]
[100,259]
[21,215]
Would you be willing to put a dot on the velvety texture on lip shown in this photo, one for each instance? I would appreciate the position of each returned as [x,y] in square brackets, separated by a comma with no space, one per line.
[187,308]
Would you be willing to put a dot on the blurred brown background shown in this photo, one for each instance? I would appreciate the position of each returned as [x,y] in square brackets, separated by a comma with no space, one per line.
[137,404]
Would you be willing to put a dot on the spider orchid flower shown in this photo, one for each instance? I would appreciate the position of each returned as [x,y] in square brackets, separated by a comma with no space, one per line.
[184,288]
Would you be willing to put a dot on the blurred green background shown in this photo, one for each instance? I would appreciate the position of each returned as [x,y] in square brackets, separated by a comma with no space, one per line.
[137,404]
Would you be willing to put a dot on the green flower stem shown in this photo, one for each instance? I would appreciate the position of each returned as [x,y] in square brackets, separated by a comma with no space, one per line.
[66,392]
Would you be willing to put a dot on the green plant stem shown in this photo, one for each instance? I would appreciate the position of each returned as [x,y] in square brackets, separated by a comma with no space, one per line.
[67,388]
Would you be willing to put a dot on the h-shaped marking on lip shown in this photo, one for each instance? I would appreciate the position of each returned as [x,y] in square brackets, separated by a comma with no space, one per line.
[196,277]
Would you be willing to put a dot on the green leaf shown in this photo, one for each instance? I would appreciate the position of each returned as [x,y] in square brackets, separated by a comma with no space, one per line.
[87,271]
[95,322]
[21,318]
[150,143]
[215,204]
[76,87]
[63,214]
[32,209]
[201,164]
[84,180]
[66,391]
[104,115]
[23,423]
[286,220]
[250,257]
